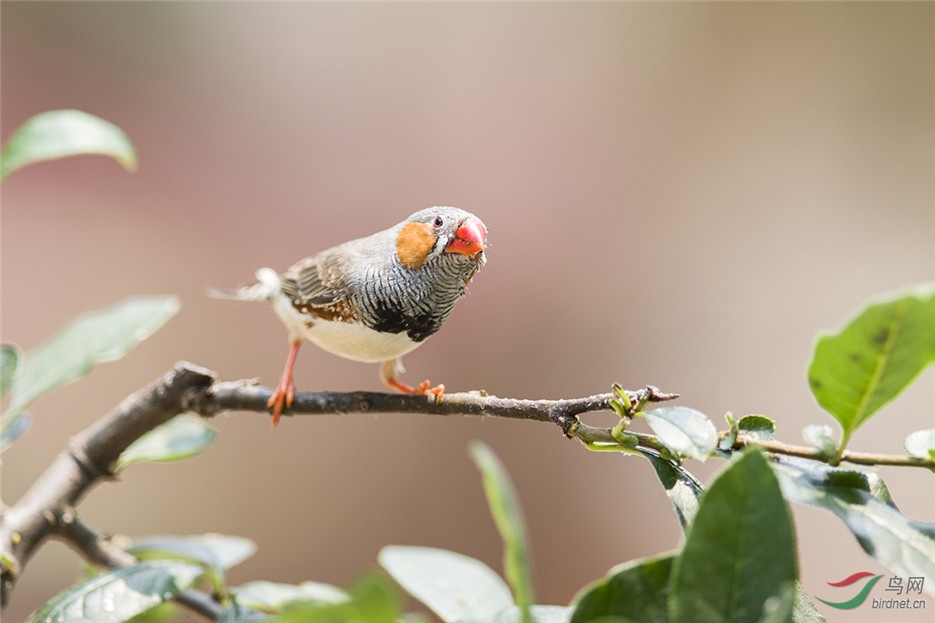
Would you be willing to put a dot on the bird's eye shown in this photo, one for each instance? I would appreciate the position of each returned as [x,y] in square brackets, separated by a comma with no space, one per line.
[438,222]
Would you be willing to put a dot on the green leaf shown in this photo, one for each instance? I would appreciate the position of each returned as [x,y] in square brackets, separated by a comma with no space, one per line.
[681,487]
[453,586]
[861,500]
[739,551]
[273,596]
[372,600]
[921,444]
[166,612]
[118,595]
[10,357]
[820,437]
[506,512]
[637,590]
[686,432]
[180,438]
[215,551]
[94,337]
[730,438]
[758,427]
[874,357]
[61,133]
[778,608]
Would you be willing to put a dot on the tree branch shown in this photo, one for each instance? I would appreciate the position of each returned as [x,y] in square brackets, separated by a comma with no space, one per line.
[86,461]
[47,507]
[247,396]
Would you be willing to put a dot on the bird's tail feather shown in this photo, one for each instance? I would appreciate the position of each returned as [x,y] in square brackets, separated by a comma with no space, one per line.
[265,289]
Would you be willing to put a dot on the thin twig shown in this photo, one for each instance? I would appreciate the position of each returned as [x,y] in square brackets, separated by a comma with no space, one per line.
[848,456]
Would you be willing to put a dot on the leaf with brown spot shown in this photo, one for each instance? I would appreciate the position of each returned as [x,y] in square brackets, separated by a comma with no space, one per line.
[869,362]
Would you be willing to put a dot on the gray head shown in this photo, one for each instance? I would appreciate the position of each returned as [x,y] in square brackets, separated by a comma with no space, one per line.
[441,234]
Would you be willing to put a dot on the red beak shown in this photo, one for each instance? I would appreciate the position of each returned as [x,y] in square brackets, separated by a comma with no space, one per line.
[469,239]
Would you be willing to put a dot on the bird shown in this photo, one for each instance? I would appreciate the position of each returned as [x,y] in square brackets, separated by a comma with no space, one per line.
[373,299]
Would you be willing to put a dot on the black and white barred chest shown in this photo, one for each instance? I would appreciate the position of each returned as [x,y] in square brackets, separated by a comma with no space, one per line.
[417,303]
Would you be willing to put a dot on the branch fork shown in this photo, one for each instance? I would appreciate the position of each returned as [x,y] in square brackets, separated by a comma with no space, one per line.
[47,509]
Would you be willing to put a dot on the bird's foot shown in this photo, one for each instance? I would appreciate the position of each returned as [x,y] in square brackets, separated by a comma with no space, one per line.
[425,388]
[389,374]
[281,399]
[422,389]
[285,392]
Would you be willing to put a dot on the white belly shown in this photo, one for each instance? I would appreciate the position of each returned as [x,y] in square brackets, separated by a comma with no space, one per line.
[351,341]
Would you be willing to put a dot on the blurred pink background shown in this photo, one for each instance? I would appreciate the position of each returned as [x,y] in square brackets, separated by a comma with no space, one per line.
[677,194]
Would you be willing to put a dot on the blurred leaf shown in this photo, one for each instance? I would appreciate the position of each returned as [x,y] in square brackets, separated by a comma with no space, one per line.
[758,427]
[504,506]
[921,444]
[10,357]
[820,437]
[685,431]
[163,613]
[728,440]
[16,427]
[118,595]
[874,357]
[372,600]
[235,612]
[272,596]
[862,501]
[740,549]
[637,590]
[14,430]
[216,551]
[778,608]
[180,438]
[683,489]
[61,133]
[539,613]
[453,586]
[94,337]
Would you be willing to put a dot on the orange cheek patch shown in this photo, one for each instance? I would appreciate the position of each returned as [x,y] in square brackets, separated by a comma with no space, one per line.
[413,245]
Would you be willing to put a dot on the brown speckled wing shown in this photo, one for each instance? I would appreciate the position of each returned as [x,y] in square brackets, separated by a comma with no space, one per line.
[315,282]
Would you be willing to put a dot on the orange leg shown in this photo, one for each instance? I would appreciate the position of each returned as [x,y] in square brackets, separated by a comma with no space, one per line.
[285,392]
[389,373]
